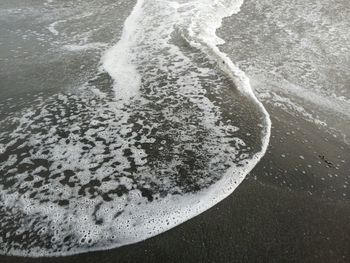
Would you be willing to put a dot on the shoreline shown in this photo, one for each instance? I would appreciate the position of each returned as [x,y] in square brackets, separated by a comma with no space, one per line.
[292,207]
[264,219]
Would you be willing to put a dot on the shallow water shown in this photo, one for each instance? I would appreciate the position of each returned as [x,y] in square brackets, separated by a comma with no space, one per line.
[135,131]
[96,162]
[296,55]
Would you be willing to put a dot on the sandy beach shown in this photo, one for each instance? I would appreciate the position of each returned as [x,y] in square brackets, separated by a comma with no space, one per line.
[292,207]
[274,216]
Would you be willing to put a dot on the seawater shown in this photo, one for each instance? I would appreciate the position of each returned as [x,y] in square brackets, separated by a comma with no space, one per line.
[165,128]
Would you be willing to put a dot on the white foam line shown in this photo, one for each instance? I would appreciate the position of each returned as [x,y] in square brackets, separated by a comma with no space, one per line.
[151,218]
[208,44]
[335,104]
[116,60]
[198,203]
[52,27]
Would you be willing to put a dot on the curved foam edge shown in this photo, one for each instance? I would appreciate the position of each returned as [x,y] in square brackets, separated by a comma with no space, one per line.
[188,206]
[199,202]
[119,69]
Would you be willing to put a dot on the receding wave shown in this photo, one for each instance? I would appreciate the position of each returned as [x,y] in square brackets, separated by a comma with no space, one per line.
[96,169]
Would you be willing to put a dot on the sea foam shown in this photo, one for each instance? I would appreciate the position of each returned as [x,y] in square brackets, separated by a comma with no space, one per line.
[90,171]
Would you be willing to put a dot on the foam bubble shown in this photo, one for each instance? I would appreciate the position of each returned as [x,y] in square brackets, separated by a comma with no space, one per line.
[96,171]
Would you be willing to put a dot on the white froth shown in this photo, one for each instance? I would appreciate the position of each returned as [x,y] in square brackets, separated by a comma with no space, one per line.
[96,179]
[118,60]
[202,19]
[52,27]
[309,73]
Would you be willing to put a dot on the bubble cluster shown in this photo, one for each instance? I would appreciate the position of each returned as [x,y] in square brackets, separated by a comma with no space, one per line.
[100,168]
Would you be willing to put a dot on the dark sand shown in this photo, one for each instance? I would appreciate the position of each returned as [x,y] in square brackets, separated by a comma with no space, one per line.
[277,214]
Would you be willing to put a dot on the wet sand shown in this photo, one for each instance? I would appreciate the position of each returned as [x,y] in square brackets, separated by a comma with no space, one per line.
[277,214]
[293,207]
